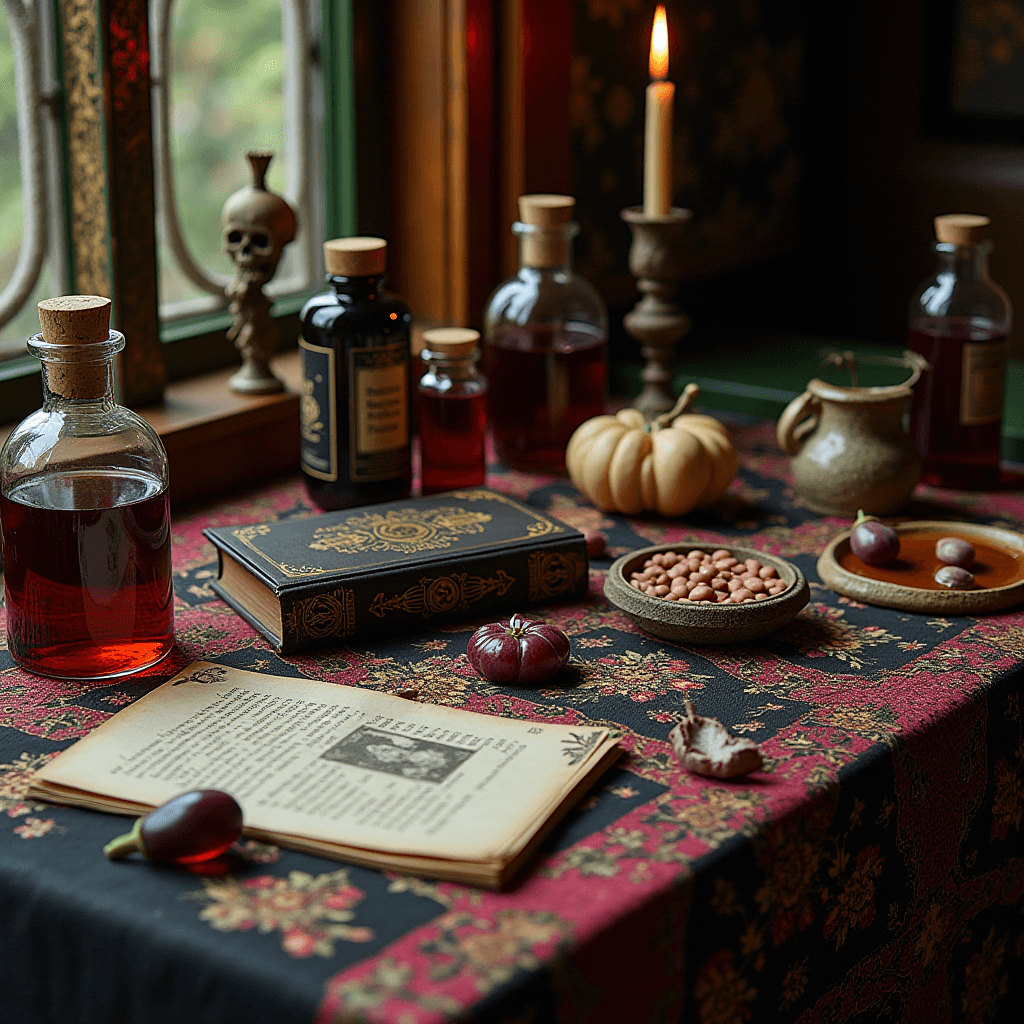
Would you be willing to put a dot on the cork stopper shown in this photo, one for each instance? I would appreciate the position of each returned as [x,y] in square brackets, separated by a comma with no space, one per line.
[73,321]
[546,210]
[355,257]
[961,228]
[451,341]
[547,245]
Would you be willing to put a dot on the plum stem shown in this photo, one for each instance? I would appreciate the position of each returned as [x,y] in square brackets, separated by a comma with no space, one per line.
[130,842]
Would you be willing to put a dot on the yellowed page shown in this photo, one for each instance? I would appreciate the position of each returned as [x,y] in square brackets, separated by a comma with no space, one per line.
[335,763]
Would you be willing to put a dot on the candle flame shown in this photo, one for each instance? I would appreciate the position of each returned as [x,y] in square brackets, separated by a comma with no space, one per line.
[659,44]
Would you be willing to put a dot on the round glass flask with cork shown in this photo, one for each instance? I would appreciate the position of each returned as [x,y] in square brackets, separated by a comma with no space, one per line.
[545,333]
[85,512]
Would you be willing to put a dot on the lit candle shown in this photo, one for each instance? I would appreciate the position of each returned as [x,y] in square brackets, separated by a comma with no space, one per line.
[658,129]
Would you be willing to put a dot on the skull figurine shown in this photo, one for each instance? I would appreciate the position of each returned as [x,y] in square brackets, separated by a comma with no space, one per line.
[258,224]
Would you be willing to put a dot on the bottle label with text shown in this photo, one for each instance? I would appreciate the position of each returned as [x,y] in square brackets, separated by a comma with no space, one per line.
[379,412]
[982,379]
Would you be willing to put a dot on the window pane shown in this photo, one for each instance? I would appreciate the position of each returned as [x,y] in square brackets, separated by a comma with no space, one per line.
[26,323]
[226,97]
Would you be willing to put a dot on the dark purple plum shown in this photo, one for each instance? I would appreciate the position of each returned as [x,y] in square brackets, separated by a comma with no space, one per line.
[954,577]
[874,542]
[525,651]
[954,551]
[192,827]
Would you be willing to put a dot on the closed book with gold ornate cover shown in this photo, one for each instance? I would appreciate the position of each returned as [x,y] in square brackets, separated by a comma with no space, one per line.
[307,583]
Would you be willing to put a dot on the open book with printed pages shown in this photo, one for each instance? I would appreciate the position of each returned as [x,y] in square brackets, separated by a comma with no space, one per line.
[348,773]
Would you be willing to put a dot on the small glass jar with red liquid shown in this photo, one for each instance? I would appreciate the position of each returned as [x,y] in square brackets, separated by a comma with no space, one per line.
[960,320]
[452,406]
[84,512]
[545,335]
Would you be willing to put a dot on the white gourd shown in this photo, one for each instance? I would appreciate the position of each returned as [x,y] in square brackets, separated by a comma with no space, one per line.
[677,462]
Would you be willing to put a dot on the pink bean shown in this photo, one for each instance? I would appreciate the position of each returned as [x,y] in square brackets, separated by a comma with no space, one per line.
[669,558]
[725,563]
[660,591]
[768,572]
[755,584]
[760,597]
[719,584]
[720,553]
[695,554]
[741,595]
[721,595]
[734,585]
[702,593]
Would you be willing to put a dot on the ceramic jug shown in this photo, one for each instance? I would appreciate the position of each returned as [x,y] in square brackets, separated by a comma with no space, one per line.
[850,447]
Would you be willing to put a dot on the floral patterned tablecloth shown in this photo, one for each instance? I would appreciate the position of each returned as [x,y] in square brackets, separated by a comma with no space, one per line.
[873,870]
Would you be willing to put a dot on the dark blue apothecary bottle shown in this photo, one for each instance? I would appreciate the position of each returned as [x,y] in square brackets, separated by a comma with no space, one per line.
[355,409]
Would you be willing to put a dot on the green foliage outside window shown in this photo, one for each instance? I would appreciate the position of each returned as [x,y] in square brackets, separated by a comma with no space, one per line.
[226,97]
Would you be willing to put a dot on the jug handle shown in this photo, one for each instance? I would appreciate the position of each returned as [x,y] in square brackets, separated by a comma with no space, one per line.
[798,419]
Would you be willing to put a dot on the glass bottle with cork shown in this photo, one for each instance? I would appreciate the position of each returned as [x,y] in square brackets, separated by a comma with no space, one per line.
[354,409]
[960,320]
[452,401]
[84,512]
[545,334]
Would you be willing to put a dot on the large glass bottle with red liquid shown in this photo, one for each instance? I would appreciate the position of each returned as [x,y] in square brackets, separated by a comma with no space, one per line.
[960,321]
[545,340]
[84,512]
[452,404]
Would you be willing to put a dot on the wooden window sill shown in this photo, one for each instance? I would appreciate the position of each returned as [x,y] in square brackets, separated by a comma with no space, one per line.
[217,439]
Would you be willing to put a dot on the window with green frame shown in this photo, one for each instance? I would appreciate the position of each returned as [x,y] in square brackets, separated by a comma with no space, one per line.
[225,78]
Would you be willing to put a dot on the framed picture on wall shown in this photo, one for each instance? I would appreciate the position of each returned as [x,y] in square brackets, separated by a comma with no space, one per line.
[973,66]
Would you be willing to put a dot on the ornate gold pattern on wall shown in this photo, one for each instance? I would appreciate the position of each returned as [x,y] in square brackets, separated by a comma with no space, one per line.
[553,573]
[442,594]
[408,531]
[332,613]
[84,103]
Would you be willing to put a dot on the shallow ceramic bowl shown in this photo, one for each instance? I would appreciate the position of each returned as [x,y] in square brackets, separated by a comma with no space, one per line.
[912,599]
[685,622]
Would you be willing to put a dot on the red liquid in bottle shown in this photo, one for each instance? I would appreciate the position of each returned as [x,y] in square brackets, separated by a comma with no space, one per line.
[544,382]
[452,431]
[955,453]
[87,559]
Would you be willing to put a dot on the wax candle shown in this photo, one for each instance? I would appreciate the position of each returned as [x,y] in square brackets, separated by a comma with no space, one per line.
[658,127]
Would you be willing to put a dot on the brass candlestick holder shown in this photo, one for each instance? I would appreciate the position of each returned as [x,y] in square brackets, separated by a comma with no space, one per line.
[655,260]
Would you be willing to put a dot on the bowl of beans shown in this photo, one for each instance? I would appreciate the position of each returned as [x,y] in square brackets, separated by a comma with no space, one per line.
[705,594]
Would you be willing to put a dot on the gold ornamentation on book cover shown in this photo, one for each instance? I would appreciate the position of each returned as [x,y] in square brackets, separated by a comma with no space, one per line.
[332,613]
[553,573]
[407,530]
[442,594]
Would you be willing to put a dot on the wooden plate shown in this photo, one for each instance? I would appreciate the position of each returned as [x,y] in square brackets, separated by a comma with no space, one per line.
[684,622]
[915,599]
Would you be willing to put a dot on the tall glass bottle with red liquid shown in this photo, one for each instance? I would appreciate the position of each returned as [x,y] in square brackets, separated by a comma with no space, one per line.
[960,321]
[452,405]
[84,512]
[545,339]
